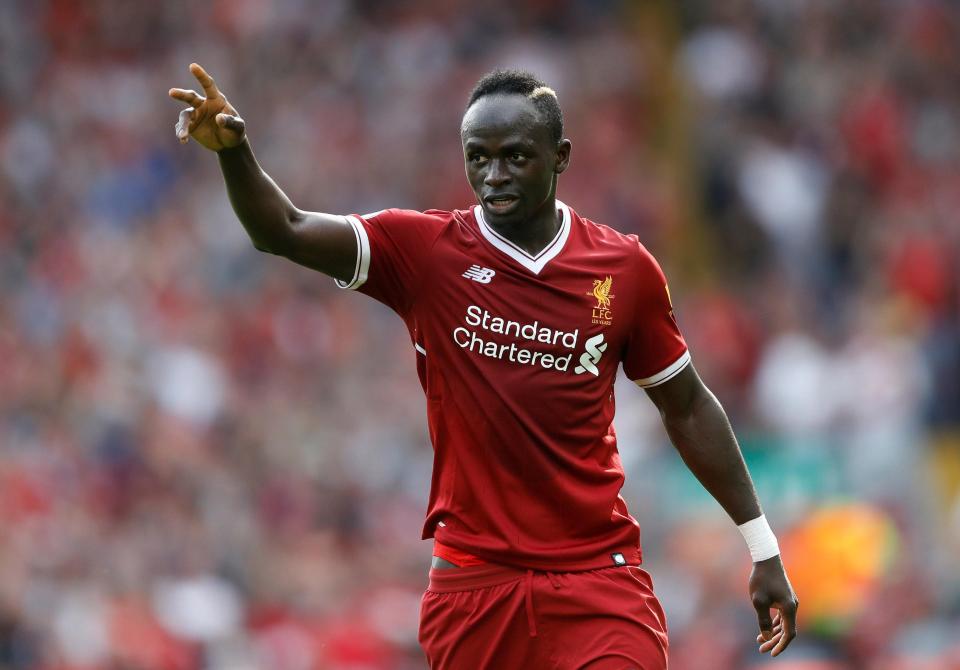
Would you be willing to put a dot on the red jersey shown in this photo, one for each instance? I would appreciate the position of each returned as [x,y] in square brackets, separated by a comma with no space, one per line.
[517,355]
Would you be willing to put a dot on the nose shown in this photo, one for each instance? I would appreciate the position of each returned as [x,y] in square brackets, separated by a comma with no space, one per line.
[497,173]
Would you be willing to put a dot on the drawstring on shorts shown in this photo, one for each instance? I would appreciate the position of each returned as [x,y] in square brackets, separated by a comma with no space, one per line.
[528,601]
[528,598]
[484,576]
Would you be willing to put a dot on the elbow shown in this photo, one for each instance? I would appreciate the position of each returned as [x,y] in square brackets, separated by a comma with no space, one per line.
[262,246]
[268,245]
[280,241]
[275,247]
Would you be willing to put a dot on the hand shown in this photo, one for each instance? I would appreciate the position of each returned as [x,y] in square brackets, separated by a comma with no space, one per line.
[770,588]
[210,120]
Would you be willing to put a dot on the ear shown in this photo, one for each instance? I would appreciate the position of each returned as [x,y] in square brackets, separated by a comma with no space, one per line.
[563,156]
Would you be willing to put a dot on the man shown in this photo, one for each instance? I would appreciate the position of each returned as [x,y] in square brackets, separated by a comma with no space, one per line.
[519,312]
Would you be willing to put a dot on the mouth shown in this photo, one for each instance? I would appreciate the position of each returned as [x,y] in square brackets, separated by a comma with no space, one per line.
[500,204]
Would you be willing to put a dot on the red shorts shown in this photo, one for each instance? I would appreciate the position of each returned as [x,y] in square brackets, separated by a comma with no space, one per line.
[499,618]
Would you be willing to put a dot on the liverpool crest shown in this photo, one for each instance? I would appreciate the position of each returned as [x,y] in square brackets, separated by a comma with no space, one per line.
[602,313]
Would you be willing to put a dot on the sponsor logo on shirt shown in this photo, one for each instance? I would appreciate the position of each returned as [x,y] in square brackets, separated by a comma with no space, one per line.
[602,314]
[532,332]
[528,345]
[595,346]
[479,274]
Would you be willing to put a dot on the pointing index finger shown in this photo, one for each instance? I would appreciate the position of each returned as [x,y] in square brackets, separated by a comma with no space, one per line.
[189,97]
[206,81]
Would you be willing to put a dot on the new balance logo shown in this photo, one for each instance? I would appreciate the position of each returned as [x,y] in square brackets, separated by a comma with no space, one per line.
[588,360]
[479,274]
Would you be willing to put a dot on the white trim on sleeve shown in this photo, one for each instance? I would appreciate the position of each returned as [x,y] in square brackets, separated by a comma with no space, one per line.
[667,373]
[363,255]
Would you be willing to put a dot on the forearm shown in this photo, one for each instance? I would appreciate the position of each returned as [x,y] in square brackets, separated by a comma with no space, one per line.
[263,209]
[705,441]
[323,242]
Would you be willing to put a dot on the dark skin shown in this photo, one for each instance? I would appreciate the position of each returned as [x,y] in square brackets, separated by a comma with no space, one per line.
[701,433]
[512,163]
[323,242]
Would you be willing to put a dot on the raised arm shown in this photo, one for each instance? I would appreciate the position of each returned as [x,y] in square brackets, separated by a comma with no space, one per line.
[700,431]
[324,242]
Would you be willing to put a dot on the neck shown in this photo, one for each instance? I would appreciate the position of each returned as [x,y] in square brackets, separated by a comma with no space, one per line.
[533,234]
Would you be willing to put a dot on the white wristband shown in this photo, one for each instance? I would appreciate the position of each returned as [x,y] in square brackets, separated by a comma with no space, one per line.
[760,539]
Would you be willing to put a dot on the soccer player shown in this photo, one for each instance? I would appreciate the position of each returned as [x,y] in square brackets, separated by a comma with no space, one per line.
[519,312]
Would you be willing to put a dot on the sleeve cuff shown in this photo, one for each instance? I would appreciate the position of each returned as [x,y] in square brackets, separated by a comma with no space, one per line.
[363,255]
[667,373]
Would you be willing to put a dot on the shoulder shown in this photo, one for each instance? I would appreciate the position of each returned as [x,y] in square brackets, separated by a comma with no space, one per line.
[627,246]
[410,225]
[429,217]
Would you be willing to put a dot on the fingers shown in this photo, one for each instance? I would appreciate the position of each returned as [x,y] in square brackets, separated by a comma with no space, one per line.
[230,122]
[192,98]
[788,616]
[767,645]
[206,81]
[183,125]
[782,632]
[777,627]
[770,588]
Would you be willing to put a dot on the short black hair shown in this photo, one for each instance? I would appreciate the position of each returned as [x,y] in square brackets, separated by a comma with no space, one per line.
[520,82]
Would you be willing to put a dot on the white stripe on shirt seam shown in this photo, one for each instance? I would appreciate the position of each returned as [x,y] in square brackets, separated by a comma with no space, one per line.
[667,373]
[363,255]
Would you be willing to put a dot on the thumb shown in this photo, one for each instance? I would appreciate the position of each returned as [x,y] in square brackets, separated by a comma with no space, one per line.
[763,618]
[183,125]
[230,122]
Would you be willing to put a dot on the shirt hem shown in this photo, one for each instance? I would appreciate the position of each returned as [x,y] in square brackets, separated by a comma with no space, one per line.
[604,558]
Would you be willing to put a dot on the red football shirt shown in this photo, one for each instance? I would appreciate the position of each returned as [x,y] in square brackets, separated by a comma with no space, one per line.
[517,355]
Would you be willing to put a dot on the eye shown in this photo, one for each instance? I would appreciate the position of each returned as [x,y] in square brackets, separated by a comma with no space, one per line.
[517,157]
[477,159]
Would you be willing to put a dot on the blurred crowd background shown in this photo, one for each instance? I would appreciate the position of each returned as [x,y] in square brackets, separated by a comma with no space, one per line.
[211,458]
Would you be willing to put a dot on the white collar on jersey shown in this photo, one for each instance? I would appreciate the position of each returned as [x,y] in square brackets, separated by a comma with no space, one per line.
[534,263]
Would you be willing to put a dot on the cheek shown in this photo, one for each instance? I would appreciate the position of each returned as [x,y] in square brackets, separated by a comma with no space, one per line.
[474,176]
[542,181]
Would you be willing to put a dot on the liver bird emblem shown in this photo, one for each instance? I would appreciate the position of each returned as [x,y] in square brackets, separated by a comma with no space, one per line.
[601,291]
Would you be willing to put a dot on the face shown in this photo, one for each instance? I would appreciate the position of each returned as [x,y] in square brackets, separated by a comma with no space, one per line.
[511,160]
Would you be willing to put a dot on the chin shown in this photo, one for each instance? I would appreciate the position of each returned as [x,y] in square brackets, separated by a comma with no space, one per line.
[516,216]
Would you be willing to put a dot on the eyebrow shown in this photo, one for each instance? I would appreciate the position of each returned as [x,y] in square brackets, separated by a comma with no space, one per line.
[517,143]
